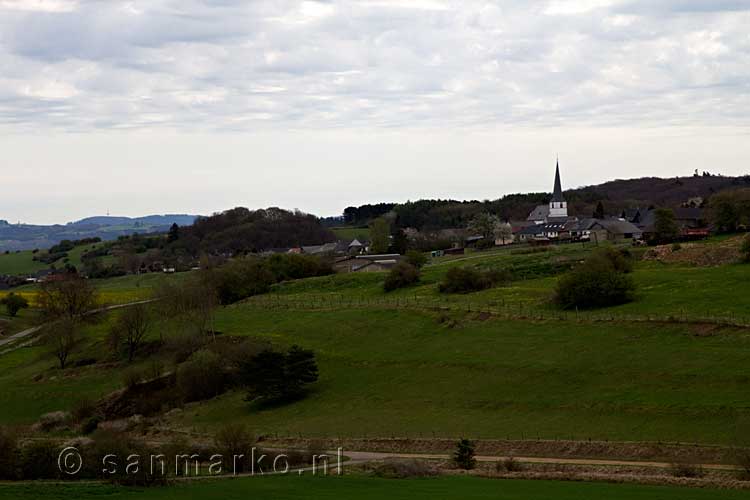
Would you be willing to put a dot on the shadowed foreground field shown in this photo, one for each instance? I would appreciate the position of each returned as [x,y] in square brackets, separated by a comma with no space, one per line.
[288,488]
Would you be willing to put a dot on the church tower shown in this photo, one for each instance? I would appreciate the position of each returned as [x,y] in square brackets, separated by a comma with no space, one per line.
[558,207]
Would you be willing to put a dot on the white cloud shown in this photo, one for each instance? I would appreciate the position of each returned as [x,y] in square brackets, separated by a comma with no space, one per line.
[225,65]
[40,5]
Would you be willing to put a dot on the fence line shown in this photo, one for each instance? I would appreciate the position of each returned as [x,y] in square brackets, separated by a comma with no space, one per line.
[516,311]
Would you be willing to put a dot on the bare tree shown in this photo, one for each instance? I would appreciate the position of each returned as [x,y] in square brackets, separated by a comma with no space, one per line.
[132,327]
[67,297]
[62,337]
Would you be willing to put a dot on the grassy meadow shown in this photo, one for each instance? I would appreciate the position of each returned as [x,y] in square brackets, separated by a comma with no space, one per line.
[394,365]
[362,487]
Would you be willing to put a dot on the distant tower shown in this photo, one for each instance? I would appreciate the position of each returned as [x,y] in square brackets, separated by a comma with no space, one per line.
[558,207]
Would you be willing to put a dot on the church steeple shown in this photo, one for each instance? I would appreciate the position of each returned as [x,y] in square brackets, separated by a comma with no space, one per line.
[558,208]
[557,192]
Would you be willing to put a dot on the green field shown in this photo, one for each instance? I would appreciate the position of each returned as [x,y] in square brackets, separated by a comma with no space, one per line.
[289,488]
[15,263]
[350,233]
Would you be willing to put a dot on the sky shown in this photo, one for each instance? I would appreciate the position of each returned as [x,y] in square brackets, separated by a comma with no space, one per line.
[195,106]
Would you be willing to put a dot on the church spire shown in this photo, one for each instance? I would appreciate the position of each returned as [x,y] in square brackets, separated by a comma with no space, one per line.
[557,193]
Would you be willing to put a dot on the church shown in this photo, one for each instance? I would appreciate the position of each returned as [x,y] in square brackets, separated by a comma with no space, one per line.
[556,210]
[551,222]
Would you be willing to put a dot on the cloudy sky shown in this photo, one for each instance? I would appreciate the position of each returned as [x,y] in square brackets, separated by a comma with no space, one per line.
[155,106]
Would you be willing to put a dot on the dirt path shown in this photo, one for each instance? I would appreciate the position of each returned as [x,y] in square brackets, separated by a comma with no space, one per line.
[368,456]
[31,331]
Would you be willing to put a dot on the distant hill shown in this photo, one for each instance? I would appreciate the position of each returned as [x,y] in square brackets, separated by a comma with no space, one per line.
[29,236]
[656,191]
[615,195]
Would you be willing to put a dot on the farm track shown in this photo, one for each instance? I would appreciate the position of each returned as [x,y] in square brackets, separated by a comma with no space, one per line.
[31,331]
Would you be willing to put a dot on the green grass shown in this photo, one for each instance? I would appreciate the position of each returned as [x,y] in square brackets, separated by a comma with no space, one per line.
[350,233]
[361,487]
[404,373]
[20,263]
[15,263]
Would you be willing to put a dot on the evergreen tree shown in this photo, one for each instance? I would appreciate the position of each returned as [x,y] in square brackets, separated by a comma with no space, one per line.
[599,212]
[174,233]
[463,457]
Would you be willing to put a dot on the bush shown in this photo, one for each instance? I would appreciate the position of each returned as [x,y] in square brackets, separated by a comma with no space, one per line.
[83,409]
[8,455]
[402,275]
[121,446]
[39,460]
[508,464]
[684,469]
[601,281]
[590,288]
[14,303]
[403,469]
[202,376]
[278,376]
[464,280]
[132,378]
[242,278]
[234,439]
[463,457]
[416,258]
[745,249]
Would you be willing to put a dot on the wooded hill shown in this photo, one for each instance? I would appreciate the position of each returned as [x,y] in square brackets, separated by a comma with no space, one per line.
[615,195]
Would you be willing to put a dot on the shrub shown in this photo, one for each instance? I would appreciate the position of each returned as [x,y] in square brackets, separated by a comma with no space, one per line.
[745,249]
[676,247]
[590,288]
[14,303]
[242,278]
[508,464]
[278,376]
[464,280]
[463,457]
[83,409]
[202,376]
[416,258]
[8,455]
[90,425]
[741,457]
[120,446]
[402,469]
[600,282]
[402,275]
[132,377]
[234,439]
[685,469]
[39,460]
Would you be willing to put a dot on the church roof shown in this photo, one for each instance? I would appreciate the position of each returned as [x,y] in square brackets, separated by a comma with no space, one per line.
[557,194]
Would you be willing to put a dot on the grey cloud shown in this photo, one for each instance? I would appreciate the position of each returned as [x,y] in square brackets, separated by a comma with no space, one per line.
[224,65]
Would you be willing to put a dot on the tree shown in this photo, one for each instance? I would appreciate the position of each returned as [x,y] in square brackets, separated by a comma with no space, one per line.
[601,281]
[400,242]
[665,226]
[463,457]
[729,210]
[504,232]
[485,225]
[416,258]
[380,231]
[132,326]
[278,376]
[599,212]
[174,233]
[402,275]
[68,297]
[14,303]
[62,337]
[745,249]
